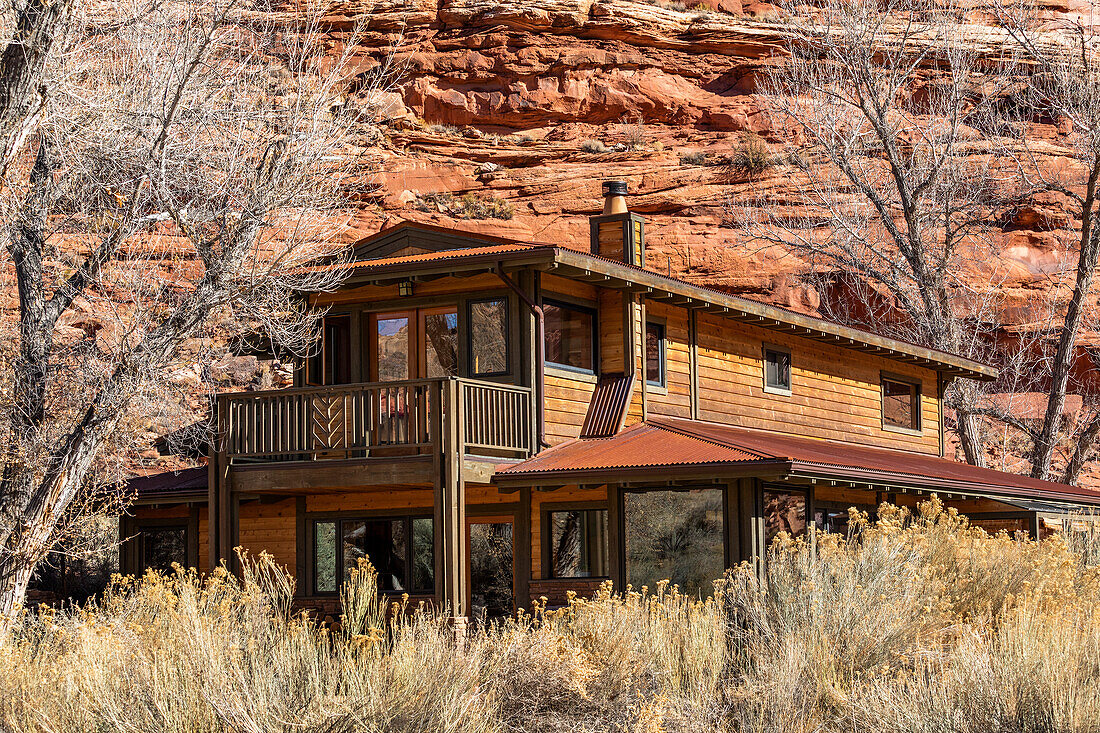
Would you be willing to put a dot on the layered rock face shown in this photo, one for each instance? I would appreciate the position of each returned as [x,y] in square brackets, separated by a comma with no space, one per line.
[508,115]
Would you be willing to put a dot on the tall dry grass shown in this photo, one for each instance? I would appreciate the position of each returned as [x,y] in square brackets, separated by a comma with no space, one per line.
[916,623]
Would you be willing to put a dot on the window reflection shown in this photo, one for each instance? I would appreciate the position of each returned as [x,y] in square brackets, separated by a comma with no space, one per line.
[675,535]
[570,336]
[441,344]
[393,348]
[784,512]
[489,337]
[162,546]
[578,543]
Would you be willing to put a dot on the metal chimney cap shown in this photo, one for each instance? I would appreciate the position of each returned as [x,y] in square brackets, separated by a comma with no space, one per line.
[614,188]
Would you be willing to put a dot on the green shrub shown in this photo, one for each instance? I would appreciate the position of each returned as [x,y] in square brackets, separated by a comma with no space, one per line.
[751,155]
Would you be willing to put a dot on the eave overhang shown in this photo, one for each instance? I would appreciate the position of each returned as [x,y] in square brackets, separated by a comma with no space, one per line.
[608,273]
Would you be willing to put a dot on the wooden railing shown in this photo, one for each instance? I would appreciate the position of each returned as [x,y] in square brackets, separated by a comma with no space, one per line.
[376,420]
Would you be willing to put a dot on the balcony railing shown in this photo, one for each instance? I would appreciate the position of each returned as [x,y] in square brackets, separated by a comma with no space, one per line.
[377,420]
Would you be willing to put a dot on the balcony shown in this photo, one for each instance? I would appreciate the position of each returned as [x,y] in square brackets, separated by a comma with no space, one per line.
[378,420]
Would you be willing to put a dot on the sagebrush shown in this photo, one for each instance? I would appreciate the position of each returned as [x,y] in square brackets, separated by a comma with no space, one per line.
[916,622]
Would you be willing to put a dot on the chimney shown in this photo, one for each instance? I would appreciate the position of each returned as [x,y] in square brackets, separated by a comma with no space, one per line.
[617,234]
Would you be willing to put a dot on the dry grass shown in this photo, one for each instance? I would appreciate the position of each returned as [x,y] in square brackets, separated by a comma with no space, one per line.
[919,623]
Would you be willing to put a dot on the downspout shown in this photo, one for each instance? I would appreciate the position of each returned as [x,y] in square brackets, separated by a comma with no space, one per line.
[540,355]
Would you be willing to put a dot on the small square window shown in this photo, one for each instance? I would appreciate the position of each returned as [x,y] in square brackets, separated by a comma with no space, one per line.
[655,354]
[777,370]
[900,404]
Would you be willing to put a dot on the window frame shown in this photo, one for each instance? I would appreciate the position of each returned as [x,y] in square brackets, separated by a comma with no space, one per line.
[560,302]
[547,508]
[916,387]
[772,389]
[131,531]
[313,518]
[507,336]
[662,356]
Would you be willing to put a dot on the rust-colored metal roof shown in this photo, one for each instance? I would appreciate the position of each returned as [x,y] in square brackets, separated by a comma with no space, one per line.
[703,448]
[639,446]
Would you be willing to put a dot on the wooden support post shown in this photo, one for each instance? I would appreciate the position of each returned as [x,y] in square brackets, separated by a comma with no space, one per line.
[522,561]
[616,537]
[450,504]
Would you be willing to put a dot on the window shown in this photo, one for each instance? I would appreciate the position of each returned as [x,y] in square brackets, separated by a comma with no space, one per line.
[401,549]
[489,337]
[655,354]
[440,332]
[675,535]
[570,335]
[578,543]
[333,364]
[777,370]
[392,339]
[784,511]
[900,404]
[162,546]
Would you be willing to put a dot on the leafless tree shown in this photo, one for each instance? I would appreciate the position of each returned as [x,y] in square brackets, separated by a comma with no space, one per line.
[886,106]
[1062,62]
[173,170]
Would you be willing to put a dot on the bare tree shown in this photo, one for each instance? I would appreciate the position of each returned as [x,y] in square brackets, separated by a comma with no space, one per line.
[174,170]
[886,105]
[1063,73]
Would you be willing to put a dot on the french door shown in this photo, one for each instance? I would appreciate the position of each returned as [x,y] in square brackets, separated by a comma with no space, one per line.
[414,344]
[490,565]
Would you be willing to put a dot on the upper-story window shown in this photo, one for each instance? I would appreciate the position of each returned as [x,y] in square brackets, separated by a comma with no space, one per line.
[570,335]
[655,354]
[332,365]
[489,337]
[777,370]
[900,403]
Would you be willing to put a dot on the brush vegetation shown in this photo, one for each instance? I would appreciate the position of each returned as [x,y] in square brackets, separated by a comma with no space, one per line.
[913,623]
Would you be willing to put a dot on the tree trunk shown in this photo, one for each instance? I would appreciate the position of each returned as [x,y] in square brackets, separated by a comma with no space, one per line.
[15,575]
[969,430]
[1043,449]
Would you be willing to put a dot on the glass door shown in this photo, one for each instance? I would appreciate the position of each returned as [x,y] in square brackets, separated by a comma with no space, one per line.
[491,550]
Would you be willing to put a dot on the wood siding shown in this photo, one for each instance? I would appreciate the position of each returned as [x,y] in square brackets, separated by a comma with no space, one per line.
[836,394]
[270,528]
[674,399]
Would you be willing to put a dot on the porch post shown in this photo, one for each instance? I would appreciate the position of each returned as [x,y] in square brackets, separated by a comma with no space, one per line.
[450,503]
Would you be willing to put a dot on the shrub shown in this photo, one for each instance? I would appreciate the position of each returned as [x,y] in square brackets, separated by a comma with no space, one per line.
[751,155]
[913,623]
[593,146]
[695,158]
[469,206]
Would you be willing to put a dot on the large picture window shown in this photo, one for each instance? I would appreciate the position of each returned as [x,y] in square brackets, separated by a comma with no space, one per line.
[675,535]
[900,404]
[400,549]
[489,337]
[578,543]
[570,335]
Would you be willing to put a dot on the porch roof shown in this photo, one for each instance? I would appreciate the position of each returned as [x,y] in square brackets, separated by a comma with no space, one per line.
[676,449]
[188,484]
[469,253]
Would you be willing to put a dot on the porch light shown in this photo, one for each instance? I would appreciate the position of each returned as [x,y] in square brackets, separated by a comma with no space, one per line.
[405,288]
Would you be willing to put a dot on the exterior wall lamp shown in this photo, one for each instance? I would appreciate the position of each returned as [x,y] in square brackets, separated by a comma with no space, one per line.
[405,288]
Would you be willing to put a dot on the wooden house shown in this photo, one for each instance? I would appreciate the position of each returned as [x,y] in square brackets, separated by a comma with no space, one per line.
[491,421]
